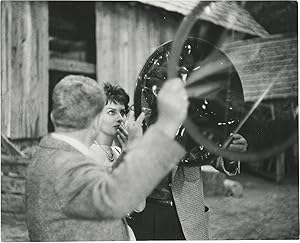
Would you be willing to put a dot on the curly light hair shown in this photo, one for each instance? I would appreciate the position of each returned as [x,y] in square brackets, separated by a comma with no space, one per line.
[76,102]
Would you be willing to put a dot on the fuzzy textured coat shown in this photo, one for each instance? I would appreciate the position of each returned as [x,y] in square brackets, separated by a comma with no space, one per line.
[70,197]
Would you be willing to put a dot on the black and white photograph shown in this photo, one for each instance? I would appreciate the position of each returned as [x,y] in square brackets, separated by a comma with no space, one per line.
[150,120]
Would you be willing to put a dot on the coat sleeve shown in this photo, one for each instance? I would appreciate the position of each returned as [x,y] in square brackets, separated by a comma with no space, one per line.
[85,190]
[230,168]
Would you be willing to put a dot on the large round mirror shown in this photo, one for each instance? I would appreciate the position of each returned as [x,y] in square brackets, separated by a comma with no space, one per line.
[215,103]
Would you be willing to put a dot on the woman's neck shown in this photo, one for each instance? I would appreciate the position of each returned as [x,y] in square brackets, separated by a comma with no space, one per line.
[104,139]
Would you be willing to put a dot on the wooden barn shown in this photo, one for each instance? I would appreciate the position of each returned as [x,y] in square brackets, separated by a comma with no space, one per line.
[259,62]
[41,42]
[110,41]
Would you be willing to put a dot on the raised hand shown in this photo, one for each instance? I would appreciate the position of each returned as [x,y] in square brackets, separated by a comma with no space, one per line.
[122,137]
[134,127]
[238,143]
[172,102]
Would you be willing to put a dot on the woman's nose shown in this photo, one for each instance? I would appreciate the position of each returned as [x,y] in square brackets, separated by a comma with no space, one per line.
[120,117]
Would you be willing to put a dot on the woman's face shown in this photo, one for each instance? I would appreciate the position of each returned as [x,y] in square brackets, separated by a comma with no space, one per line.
[112,117]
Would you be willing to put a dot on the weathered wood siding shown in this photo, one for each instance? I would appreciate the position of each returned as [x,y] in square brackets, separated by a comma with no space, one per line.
[24,68]
[261,61]
[13,227]
[126,35]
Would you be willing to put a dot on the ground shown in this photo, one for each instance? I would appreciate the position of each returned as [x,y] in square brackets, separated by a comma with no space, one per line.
[266,211]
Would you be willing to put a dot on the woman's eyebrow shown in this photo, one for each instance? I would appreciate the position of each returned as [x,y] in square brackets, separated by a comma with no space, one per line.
[111,108]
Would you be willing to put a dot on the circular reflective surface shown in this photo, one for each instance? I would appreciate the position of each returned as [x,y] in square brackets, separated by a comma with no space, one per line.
[215,99]
[266,134]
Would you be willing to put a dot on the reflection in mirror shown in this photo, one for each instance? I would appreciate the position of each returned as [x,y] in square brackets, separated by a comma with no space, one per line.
[216,99]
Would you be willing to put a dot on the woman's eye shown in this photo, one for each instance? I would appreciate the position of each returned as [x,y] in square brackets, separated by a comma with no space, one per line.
[111,112]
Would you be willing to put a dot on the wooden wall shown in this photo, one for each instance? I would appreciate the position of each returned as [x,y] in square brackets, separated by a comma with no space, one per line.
[24,69]
[126,34]
[13,226]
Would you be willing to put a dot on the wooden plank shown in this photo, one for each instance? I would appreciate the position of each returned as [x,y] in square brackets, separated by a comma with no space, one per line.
[12,185]
[72,66]
[123,79]
[14,170]
[14,160]
[10,147]
[13,228]
[12,203]
[62,45]
[126,35]
[114,45]
[104,38]
[26,69]
[13,166]
[141,39]
[122,43]
[80,56]
[132,66]
[6,72]
[12,218]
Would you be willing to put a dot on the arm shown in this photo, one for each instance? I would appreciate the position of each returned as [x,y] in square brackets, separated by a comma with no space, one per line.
[228,167]
[200,156]
[88,192]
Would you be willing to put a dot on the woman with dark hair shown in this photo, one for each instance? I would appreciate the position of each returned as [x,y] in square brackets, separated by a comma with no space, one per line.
[113,131]
[112,128]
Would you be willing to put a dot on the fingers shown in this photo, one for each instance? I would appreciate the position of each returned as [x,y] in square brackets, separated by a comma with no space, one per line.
[238,139]
[237,147]
[131,117]
[122,136]
[122,131]
[138,121]
[238,143]
[121,141]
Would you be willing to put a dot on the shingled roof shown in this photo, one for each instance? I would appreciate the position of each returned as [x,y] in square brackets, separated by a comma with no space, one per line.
[224,13]
[260,61]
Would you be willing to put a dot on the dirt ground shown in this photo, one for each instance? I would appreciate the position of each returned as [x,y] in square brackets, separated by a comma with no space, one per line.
[266,211]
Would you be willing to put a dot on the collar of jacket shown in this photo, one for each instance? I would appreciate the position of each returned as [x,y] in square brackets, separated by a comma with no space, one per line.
[51,143]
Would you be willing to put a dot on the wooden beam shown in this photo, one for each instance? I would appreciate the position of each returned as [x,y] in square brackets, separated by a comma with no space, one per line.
[71,66]
[13,203]
[10,147]
[12,185]
[24,69]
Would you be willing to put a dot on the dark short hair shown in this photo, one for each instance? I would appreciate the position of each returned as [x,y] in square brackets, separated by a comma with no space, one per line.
[116,94]
[76,102]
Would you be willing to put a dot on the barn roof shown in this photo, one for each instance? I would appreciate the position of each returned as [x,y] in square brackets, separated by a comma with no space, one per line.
[224,13]
[260,61]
